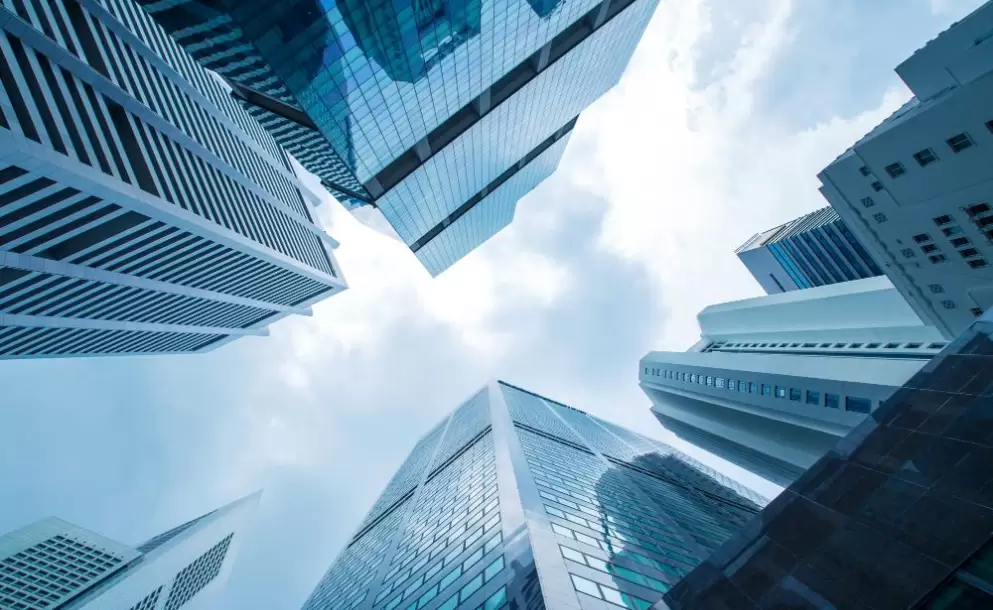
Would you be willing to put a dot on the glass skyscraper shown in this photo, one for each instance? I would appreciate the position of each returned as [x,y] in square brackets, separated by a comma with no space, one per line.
[816,249]
[52,564]
[516,500]
[142,210]
[441,113]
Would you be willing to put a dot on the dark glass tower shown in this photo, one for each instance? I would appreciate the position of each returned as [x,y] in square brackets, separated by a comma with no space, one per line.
[441,113]
[519,501]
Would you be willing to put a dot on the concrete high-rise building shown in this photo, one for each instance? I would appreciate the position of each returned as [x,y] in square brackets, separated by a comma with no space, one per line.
[776,381]
[917,191]
[142,210]
[516,500]
[53,564]
[441,114]
[814,250]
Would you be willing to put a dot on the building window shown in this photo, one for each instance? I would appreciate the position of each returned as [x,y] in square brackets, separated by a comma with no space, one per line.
[935,288]
[979,208]
[766,389]
[880,218]
[710,380]
[742,386]
[732,385]
[968,252]
[719,382]
[937,258]
[855,345]
[699,379]
[937,346]
[682,377]
[864,170]
[942,220]
[692,377]
[858,405]
[832,401]
[949,231]
[947,304]
[895,170]
[871,345]
[795,394]
[877,186]
[978,263]
[958,242]
[929,248]
[913,345]
[960,142]
[753,387]
[908,253]
[813,398]
[867,202]
[977,311]
[925,157]
[922,237]
[780,392]
[989,125]
[891,346]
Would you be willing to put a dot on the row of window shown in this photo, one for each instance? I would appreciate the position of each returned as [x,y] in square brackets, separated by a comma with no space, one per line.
[486,575]
[832,401]
[956,144]
[614,570]
[870,345]
[608,594]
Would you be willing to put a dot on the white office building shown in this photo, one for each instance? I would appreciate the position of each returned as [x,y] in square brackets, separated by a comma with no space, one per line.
[917,191]
[52,564]
[776,380]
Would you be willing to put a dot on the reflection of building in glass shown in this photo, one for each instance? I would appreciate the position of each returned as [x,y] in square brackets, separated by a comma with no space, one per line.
[445,114]
[518,500]
[54,564]
[142,211]
[544,7]
[383,28]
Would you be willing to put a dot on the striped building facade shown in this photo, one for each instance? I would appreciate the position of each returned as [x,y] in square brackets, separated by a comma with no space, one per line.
[142,209]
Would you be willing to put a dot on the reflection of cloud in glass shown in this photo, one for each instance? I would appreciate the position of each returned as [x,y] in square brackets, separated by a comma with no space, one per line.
[406,43]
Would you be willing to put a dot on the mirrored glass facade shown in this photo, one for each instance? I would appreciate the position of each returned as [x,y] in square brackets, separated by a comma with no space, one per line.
[142,210]
[424,106]
[513,485]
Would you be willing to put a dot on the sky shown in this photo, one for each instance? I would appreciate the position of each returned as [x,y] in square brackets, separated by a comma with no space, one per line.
[717,131]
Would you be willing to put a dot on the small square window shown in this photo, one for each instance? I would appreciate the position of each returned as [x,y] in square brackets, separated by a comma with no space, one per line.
[979,208]
[780,392]
[891,346]
[978,263]
[710,380]
[766,389]
[989,125]
[732,385]
[913,345]
[864,170]
[855,346]
[937,258]
[908,253]
[922,237]
[880,218]
[795,394]
[958,242]
[977,311]
[871,345]
[813,398]
[867,202]
[858,405]
[985,221]
[832,401]
[719,382]
[949,231]
[895,170]
[942,220]
[929,248]
[692,377]
[877,186]
[925,157]
[753,387]
[968,252]
[948,304]
[960,142]
[742,386]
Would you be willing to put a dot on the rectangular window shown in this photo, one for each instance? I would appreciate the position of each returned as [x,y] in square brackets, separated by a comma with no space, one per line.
[832,401]
[813,398]
[795,394]
[877,186]
[780,392]
[979,208]
[719,382]
[968,252]
[978,263]
[937,258]
[958,242]
[960,142]
[710,380]
[858,405]
[925,157]
[699,379]
[895,170]
[942,220]
[742,386]
[864,170]
[880,218]
[766,389]
[949,231]
[753,387]
[692,377]
[867,202]
[923,237]
[929,248]
[989,125]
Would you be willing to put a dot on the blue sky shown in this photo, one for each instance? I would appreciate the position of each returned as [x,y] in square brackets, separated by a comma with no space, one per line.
[717,131]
